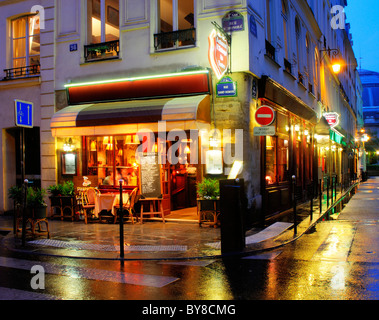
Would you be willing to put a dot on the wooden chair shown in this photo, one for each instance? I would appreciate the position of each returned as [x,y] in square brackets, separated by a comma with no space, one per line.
[88,201]
[129,206]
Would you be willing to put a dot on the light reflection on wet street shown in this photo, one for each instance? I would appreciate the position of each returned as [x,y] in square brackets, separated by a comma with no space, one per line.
[338,260]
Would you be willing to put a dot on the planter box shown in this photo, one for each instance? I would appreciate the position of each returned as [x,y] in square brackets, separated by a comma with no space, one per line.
[63,207]
[208,212]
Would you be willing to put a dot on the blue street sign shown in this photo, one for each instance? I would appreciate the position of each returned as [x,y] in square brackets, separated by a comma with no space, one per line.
[226,88]
[23,114]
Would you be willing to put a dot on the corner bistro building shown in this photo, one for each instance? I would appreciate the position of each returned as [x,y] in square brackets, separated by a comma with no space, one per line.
[103,118]
[99,131]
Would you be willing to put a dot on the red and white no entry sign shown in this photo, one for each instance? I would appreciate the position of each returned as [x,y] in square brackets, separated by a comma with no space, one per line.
[265,115]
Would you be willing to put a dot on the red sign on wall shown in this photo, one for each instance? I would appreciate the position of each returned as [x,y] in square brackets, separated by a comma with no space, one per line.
[218,53]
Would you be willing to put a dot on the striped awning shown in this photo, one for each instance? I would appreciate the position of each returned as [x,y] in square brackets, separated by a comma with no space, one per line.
[130,116]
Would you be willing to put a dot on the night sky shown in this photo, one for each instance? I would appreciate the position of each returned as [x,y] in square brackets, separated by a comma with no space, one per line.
[363,16]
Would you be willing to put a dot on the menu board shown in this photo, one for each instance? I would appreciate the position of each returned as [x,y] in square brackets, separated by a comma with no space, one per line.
[150,175]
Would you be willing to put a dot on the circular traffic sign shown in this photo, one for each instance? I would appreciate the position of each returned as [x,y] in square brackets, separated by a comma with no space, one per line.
[265,115]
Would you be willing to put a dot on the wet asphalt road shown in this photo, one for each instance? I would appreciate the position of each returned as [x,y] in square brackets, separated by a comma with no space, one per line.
[338,261]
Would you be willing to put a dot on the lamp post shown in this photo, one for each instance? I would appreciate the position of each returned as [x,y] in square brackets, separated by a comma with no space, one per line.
[336,64]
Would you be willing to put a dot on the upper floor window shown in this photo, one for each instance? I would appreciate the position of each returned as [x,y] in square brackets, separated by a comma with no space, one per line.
[298,49]
[175,24]
[104,20]
[103,29]
[285,28]
[25,42]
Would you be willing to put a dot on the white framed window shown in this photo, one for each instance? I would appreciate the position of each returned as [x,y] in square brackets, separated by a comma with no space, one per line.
[25,41]
[175,24]
[103,21]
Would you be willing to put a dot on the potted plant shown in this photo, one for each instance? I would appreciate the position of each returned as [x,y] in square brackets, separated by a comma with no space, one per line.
[35,202]
[15,193]
[208,189]
[62,199]
[55,190]
[208,192]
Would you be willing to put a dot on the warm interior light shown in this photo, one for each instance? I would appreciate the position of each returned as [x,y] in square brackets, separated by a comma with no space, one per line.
[236,168]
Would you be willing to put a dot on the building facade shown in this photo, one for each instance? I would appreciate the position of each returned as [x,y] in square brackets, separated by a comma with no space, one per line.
[183,80]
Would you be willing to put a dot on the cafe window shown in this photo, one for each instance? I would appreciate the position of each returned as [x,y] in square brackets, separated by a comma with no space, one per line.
[26,41]
[112,158]
[277,152]
[103,20]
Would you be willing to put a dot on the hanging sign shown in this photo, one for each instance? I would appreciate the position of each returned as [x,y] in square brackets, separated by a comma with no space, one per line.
[233,21]
[226,88]
[265,116]
[332,118]
[218,53]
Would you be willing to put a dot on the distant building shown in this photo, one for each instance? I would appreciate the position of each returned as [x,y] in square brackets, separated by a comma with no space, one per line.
[370,83]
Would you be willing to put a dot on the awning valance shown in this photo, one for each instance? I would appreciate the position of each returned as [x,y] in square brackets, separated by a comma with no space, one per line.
[131,116]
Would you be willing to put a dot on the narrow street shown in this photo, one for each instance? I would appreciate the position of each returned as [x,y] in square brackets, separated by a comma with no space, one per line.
[337,261]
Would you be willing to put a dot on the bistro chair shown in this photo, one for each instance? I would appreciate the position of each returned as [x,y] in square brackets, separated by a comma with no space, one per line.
[129,206]
[88,201]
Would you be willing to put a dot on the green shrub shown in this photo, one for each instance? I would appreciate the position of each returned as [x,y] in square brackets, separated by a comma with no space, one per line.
[208,189]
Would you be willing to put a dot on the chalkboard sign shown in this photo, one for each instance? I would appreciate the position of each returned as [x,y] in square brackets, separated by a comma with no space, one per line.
[150,175]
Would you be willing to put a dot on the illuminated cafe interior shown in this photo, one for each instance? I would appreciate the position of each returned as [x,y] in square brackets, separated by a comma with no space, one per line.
[102,126]
[104,160]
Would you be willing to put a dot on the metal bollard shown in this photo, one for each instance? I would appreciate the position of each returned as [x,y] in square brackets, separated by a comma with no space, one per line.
[320,196]
[294,205]
[327,192]
[312,195]
[121,222]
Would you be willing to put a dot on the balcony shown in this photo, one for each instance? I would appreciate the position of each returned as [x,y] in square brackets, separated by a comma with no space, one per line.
[22,72]
[270,50]
[175,39]
[287,66]
[102,51]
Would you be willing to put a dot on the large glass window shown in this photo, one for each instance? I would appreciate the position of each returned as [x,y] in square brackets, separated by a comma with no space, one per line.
[112,158]
[277,152]
[26,41]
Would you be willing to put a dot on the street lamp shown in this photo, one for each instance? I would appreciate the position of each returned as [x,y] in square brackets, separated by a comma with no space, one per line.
[336,62]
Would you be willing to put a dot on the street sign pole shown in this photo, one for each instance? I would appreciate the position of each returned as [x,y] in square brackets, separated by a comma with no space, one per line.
[23,235]
[23,119]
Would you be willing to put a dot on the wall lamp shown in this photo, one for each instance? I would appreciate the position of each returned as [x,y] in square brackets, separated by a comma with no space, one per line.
[336,63]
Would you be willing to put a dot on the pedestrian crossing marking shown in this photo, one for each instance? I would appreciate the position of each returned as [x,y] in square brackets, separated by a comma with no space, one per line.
[190,263]
[90,274]
[16,294]
[110,248]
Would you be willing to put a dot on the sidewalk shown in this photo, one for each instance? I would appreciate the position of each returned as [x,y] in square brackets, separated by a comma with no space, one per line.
[154,240]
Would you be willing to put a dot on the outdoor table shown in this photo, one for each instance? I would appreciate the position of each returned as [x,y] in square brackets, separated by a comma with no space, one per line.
[104,202]
[109,201]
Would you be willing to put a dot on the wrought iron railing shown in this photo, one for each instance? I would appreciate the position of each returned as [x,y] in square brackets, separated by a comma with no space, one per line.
[22,72]
[287,66]
[300,78]
[270,50]
[102,51]
[175,39]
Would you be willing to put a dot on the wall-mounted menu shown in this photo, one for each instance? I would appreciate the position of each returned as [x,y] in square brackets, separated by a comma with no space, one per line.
[150,175]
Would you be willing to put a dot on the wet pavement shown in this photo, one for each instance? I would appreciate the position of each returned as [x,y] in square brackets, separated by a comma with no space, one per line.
[155,240]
